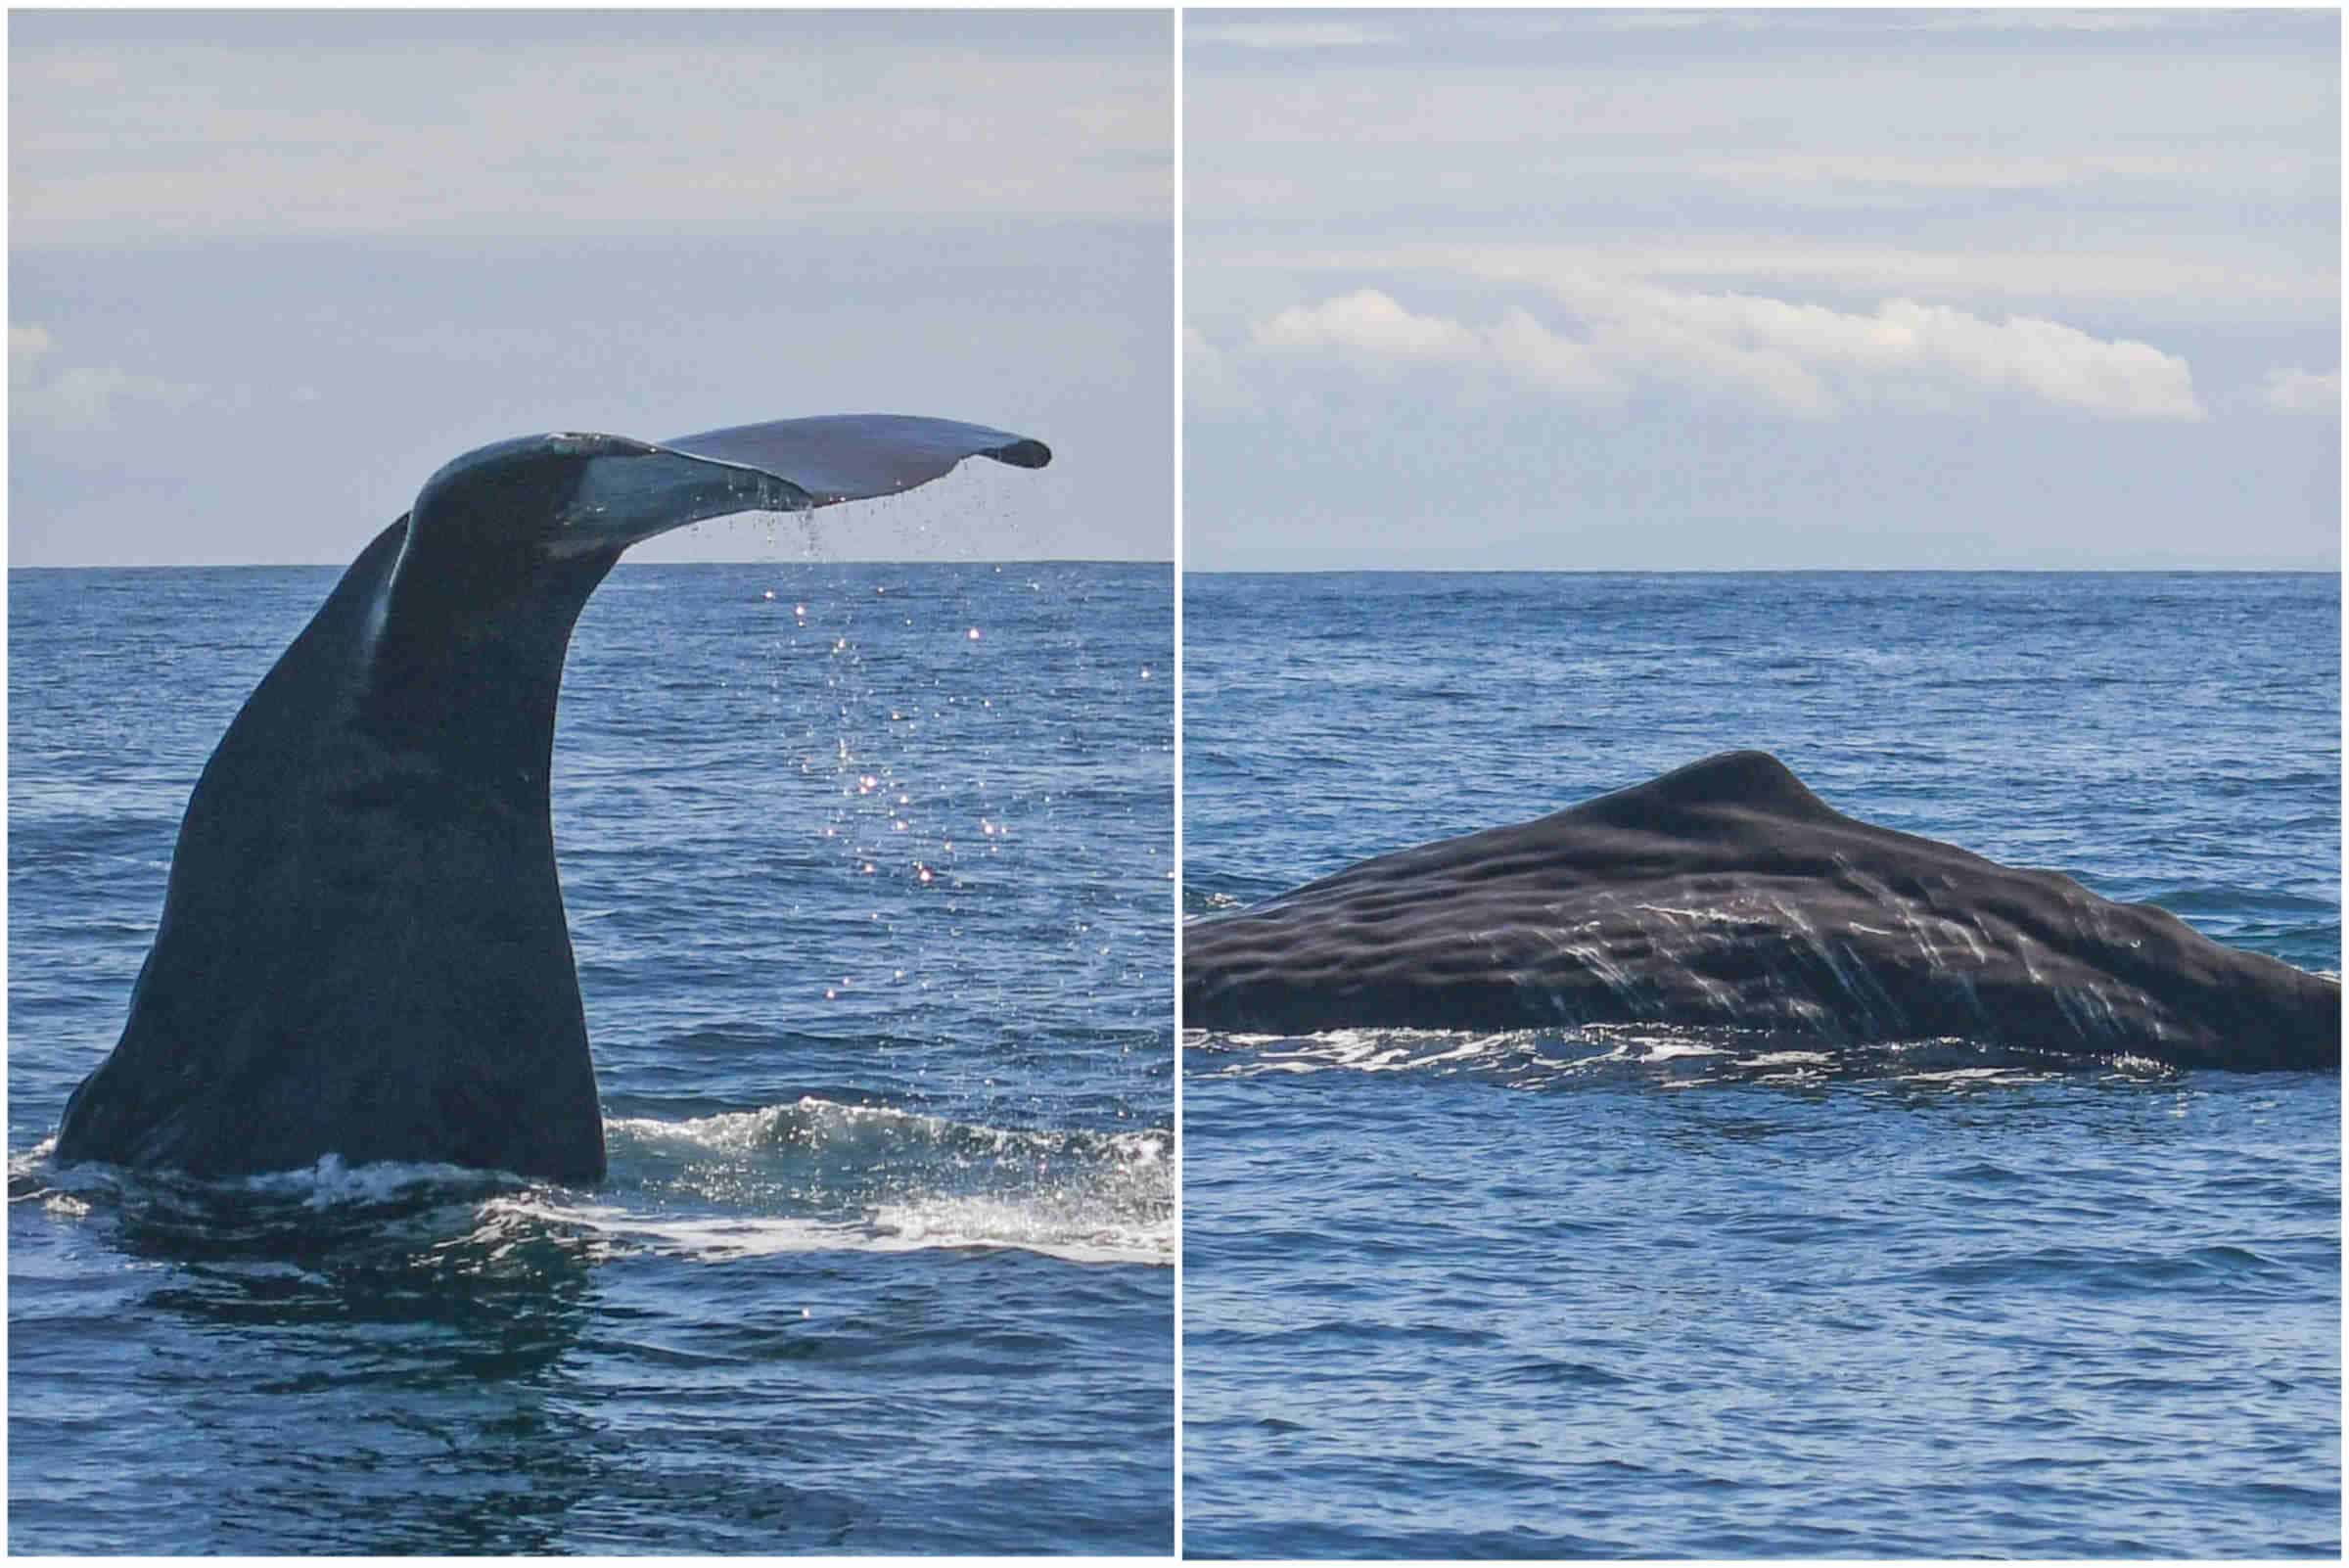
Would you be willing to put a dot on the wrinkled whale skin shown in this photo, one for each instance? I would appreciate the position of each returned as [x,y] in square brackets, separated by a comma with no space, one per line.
[364,950]
[1726,893]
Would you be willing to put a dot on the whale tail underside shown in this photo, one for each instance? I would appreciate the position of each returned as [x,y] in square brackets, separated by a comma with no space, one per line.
[857,457]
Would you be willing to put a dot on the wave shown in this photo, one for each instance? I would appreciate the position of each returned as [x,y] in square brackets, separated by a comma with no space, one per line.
[2230,898]
[881,1178]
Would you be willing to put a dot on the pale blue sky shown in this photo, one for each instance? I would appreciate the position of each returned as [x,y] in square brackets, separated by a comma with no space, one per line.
[1761,288]
[268,270]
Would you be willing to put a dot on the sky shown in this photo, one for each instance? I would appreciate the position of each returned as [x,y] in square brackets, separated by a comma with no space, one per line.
[1761,290]
[268,270]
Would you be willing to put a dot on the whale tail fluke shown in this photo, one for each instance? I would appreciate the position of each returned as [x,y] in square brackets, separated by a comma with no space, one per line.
[855,457]
[364,950]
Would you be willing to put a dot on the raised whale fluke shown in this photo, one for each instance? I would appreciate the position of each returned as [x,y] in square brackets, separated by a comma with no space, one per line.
[1726,893]
[363,950]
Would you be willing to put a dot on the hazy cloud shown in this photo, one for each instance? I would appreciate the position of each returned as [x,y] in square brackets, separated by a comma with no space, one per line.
[1209,380]
[2291,390]
[1291,35]
[26,347]
[1983,171]
[724,122]
[80,398]
[2051,20]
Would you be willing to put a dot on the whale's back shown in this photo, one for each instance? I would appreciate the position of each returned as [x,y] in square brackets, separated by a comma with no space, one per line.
[1726,893]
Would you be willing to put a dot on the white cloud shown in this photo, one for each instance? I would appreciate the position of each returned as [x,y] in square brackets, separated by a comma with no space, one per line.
[2292,390]
[82,399]
[1533,354]
[1776,355]
[1369,323]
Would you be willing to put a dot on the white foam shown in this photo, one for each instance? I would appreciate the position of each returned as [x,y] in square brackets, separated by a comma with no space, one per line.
[815,1125]
[1665,1050]
[1077,1232]
[1964,1075]
[1070,1232]
[331,1184]
[864,1179]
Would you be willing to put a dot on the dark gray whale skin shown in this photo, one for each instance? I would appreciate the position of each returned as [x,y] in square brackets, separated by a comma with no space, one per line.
[1726,892]
[364,950]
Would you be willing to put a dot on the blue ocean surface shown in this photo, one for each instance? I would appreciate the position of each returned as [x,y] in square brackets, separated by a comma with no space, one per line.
[869,875]
[1636,1292]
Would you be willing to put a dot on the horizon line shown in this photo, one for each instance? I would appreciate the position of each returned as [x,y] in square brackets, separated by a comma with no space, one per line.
[341,565]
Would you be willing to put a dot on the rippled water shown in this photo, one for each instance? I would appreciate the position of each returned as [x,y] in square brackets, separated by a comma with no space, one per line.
[1624,1291]
[868,869]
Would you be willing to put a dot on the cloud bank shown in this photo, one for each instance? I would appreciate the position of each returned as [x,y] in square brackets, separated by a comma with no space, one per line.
[1769,355]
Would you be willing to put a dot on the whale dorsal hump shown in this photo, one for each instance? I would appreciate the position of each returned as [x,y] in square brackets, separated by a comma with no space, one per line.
[1747,781]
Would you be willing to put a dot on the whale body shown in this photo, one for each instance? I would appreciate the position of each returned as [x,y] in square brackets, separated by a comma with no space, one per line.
[1726,893]
[362,950]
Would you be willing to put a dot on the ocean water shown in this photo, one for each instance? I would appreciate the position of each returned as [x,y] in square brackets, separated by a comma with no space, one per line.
[868,870]
[1639,1292]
